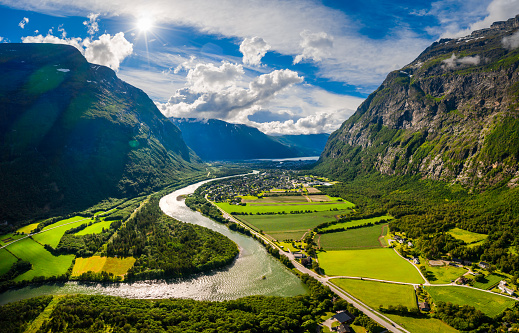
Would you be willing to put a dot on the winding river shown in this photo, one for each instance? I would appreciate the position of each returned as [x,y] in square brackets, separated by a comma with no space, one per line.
[243,278]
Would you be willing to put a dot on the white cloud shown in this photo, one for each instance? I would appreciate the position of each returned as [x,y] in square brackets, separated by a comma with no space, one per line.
[353,59]
[454,61]
[460,18]
[213,92]
[62,30]
[315,46]
[253,49]
[92,24]
[511,42]
[209,78]
[23,22]
[107,50]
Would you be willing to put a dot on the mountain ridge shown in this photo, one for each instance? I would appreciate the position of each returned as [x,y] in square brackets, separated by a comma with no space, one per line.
[74,134]
[440,116]
[214,139]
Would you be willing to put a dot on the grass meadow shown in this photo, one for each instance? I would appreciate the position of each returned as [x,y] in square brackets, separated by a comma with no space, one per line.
[366,237]
[289,226]
[43,262]
[444,274]
[490,281]
[467,236]
[6,261]
[57,230]
[381,263]
[375,294]
[488,303]
[284,208]
[28,228]
[95,228]
[117,266]
[422,325]
[355,223]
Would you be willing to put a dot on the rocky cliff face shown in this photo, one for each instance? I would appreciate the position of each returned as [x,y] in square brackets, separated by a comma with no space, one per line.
[452,115]
[73,134]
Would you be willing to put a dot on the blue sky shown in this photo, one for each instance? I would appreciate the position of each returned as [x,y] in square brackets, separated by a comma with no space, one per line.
[283,66]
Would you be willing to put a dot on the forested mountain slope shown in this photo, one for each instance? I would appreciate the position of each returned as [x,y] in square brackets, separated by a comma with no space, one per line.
[451,115]
[73,134]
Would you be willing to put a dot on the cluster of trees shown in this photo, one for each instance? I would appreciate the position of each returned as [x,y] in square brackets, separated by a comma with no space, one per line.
[165,247]
[401,310]
[367,224]
[19,267]
[98,277]
[15,317]
[463,318]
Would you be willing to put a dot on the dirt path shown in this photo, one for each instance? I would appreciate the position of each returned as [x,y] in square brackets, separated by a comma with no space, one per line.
[381,237]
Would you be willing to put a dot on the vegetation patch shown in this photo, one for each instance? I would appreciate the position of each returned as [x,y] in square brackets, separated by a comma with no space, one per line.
[467,236]
[382,264]
[355,223]
[375,294]
[486,302]
[6,261]
[367,237]
[97,264]
[43,262]
[488,281]
[95,228]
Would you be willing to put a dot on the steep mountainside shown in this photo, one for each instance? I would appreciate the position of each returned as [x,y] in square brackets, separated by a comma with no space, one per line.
[452,115]
[214,139]
[73,134]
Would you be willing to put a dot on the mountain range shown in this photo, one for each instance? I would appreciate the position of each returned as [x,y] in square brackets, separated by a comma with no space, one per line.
[214,139]
[451,115]
[73,134]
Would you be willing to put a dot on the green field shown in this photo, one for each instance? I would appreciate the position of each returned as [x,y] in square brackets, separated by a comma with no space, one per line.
[355,223]
[95,228]
[422,325]
[43,262]
[279,208]
[6,261]
[28,228]
[488,303]
[8,238]
[382,264]
[467,236]
[491,281]
[62,222]
[365,237]
[53,236]
[117,266]
[375,294]
[288,226]
[444,274]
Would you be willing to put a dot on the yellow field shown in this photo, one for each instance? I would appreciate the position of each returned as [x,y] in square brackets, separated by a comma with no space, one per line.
[28,228]
[96,264]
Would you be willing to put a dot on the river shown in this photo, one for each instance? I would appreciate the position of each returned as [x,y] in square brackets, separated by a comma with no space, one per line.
[243,278]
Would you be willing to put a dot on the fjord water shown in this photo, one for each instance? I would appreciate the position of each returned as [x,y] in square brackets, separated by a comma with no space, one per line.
[243,278]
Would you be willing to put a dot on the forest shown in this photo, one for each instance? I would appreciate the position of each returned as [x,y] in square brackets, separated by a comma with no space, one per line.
[166,248]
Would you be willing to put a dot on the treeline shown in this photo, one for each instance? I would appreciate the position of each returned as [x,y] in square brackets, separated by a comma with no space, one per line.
[367,224]
[166,248]
[352,217]
[18,268]
[464,318]
[16,317]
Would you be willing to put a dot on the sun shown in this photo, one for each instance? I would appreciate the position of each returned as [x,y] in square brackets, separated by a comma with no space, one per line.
[144,24]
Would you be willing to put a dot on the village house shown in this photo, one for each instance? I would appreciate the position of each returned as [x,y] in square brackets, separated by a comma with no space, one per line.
[416,260]
[484,265]
[424,306]
[504,289]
